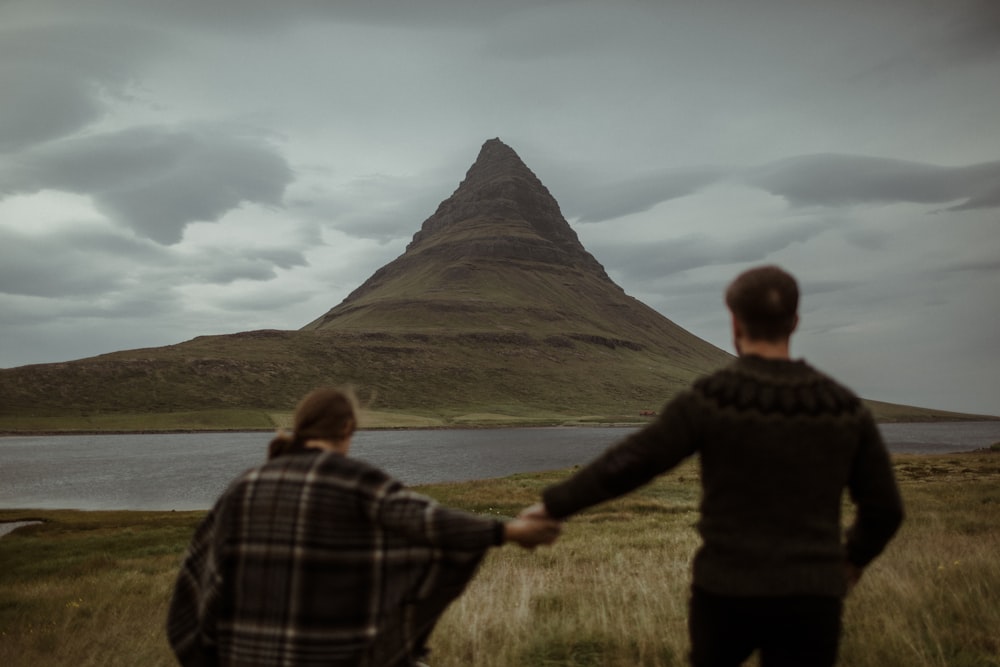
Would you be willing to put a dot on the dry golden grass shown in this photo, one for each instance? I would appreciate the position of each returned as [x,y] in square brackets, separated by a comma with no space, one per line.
[934,597]
[614,590]
[91,588]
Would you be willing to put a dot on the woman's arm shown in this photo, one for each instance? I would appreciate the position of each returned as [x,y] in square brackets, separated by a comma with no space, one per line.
[424,521]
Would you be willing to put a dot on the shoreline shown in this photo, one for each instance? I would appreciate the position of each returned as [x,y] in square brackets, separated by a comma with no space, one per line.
[4,433]
[440,427]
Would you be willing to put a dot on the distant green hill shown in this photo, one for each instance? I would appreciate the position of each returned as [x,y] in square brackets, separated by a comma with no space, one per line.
[496,313]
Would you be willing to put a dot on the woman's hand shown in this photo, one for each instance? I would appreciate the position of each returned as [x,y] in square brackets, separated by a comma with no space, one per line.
[531,530]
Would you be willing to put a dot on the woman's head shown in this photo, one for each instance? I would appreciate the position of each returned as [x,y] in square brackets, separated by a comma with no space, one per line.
[326,414]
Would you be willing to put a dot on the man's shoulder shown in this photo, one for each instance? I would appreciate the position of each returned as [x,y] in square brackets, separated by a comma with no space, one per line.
[789,387]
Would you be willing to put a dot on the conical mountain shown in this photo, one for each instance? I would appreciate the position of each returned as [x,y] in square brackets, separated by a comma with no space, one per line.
[495,310]
[497,256]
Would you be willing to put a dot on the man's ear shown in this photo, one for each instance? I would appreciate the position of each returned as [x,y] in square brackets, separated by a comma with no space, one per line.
[795,323]
[737,327]
[737,334]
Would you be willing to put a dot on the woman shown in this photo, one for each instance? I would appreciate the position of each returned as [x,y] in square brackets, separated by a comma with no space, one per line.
[317,559]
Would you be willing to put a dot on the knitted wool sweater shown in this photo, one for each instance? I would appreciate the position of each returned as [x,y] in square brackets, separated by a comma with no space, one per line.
[778,444]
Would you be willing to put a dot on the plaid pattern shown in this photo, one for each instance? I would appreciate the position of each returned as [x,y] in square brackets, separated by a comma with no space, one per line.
[318,559]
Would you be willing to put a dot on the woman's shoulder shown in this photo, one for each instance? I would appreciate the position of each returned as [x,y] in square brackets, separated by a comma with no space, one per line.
[317,470]
[334,466]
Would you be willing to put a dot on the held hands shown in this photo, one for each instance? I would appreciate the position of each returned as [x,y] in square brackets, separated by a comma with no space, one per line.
[532,527]
[536,511]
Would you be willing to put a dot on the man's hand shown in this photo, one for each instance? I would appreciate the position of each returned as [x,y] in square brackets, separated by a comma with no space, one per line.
[531,531]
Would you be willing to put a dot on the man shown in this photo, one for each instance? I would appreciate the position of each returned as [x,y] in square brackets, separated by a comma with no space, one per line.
[778,443]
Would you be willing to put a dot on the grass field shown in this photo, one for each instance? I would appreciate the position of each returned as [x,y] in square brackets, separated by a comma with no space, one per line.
[91,588]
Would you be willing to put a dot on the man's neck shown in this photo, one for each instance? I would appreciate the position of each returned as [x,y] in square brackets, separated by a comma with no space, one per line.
[765,348]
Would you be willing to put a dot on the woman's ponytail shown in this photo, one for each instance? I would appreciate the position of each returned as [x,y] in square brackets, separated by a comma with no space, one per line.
[323,414]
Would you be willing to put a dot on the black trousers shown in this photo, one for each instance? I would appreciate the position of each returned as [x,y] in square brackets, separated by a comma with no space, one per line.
[803,631]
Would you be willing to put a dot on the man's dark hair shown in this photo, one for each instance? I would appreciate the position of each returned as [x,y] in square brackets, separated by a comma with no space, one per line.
[765,300]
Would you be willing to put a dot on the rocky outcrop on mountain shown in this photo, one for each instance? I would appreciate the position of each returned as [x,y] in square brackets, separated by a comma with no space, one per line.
[502,211]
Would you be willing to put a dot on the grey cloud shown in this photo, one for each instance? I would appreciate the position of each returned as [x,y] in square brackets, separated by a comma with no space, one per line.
[989,194]
[156,180]
[394,207]
[596,202]
[79,264]
[589,31]
[868,237]
[382,227]
[85,263]
[965,33]
[816,287]
[223,266]
[48,105]
[27,273]
[642,261]
[264,301]
[380,221]
[282,258]
[79,45]
[401,219]
[231,270]
[837,180]
[57,79]
[144,302]
[267,15]
[974,34]
[54,311]
[983,266]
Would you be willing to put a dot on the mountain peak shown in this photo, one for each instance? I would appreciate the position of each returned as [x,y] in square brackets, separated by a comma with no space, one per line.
[497,160]
[507,208]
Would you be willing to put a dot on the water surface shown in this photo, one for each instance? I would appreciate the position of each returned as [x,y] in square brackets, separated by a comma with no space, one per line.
[188,471]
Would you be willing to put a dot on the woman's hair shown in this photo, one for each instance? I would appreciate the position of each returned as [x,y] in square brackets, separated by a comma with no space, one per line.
[765,300]
[323,414]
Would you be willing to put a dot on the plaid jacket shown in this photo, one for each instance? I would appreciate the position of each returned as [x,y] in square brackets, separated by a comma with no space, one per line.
[318,559]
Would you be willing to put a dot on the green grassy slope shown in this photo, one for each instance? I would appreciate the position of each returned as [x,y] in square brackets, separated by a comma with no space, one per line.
[245,380]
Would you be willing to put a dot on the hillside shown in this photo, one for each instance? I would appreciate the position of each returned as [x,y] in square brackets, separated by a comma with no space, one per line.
[495,312]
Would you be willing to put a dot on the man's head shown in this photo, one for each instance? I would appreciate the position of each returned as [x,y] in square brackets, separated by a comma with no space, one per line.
[764,302]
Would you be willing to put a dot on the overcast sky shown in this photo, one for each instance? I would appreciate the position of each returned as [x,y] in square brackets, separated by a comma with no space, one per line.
[173,169]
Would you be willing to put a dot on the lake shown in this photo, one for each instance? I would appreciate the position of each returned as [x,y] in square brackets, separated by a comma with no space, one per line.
[188,471]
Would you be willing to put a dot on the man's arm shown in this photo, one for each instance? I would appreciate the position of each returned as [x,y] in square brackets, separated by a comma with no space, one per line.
[873,490]
[628,465]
